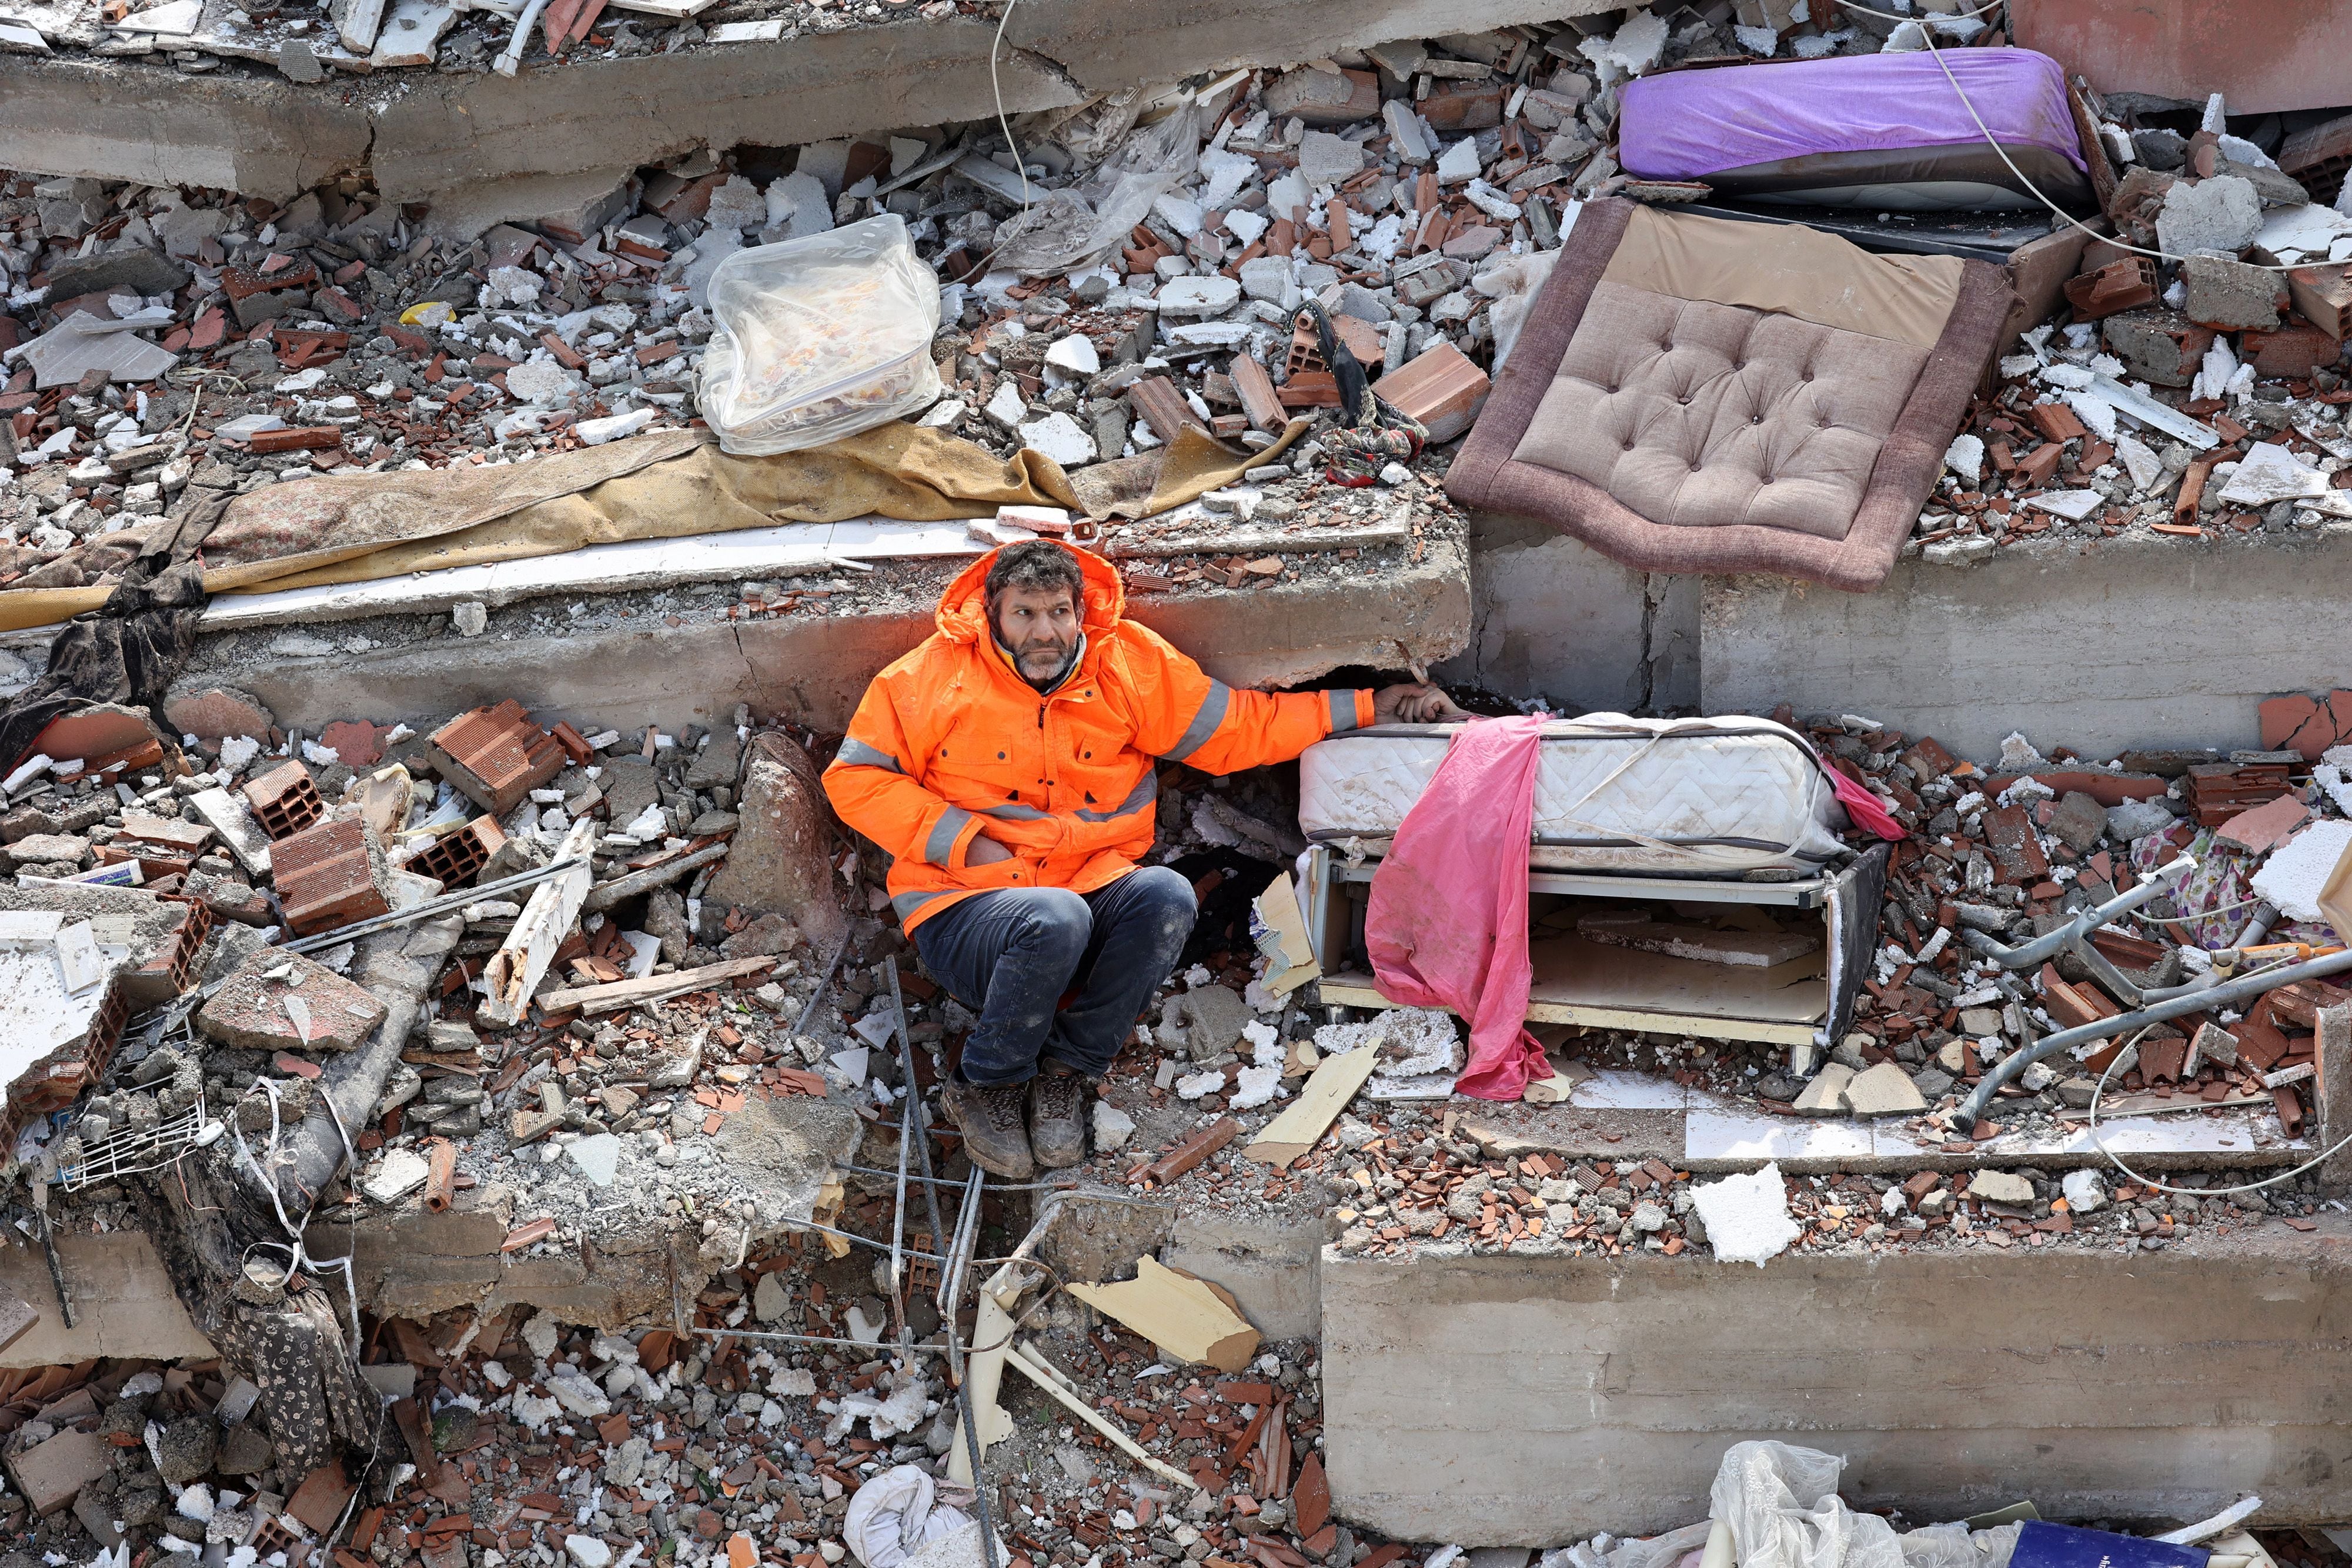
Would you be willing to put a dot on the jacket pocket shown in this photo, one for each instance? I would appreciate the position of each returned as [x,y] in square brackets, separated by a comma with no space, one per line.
[1014,871]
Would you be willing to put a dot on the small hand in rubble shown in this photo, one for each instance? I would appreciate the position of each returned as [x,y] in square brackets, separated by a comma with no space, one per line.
[1414,702]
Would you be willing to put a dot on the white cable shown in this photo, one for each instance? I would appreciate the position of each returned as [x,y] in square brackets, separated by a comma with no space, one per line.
[995,87]
[1926,16]
[2099,1089]
[510,58]
[1936,50]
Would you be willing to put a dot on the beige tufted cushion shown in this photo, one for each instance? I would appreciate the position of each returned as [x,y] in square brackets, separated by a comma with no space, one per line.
[1695,415]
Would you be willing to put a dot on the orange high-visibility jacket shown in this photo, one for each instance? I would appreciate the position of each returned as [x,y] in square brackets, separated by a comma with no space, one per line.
[949,737]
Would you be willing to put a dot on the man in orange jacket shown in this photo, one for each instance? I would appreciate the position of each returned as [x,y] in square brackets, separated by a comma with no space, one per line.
[1008,766]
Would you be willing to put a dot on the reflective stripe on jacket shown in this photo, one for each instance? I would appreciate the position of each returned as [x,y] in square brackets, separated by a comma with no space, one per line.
[951,735]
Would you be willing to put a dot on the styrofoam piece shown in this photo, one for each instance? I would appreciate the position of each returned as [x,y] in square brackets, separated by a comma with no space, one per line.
[1747,1217]
[2294,875]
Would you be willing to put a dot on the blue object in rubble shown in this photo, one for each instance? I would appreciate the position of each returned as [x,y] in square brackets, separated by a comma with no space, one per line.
[2041,1545]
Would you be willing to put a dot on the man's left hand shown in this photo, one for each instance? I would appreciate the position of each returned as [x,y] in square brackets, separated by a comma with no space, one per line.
[1414,702]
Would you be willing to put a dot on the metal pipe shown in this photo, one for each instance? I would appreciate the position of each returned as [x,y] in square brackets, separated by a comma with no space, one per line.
[899,1216]
[823,985]
[431,907]
[959,1250]
[2257,926]
[2221,996]
[2050,944]
[861,1241]
[2104,970]
[918,1118]
[1070,1185]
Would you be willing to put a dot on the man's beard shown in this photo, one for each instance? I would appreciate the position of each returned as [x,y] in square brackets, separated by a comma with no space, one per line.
[1029,657]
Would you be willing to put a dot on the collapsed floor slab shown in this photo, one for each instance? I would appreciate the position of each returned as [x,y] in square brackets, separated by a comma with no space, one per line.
[519,148]
[124,1303]
[677,658]
[1502,1401]
[1265,1257]
[2127,642]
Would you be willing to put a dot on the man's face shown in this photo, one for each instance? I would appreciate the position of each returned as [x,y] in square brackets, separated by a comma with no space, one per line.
[1039,627]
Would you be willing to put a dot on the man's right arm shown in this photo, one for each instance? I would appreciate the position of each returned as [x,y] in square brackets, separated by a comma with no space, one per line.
[870,788]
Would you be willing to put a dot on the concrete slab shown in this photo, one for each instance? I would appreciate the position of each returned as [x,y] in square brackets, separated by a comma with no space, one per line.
[2103,647]
[483,147]
[1556,618]
[673,663]
[2264,55]
[125,1304]
[1531,1401]
[1623,1115]
[1265,1256]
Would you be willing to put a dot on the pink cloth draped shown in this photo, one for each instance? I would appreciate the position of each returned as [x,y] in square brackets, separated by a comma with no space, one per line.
[1447,925]
[1869,813]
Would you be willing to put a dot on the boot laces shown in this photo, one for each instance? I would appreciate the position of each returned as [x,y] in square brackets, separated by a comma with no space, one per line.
[1003,1105]
[1058,1096]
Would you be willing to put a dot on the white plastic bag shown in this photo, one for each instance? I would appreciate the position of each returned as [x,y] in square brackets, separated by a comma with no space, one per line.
[819,338]
[1784,1511]
[896,1515]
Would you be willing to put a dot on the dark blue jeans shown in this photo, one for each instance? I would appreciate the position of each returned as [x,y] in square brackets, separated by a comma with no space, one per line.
[1011,955]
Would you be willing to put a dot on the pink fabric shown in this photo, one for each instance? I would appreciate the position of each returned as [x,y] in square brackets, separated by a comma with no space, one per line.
[1865,807]
[1448,926]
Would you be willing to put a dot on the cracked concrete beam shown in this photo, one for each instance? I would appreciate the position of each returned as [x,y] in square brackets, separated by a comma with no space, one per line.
[505,146]
[1107,45]
[126,120]
[813,668]
[481,148]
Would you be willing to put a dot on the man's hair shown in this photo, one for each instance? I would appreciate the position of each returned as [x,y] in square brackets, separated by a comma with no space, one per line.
[1033,564]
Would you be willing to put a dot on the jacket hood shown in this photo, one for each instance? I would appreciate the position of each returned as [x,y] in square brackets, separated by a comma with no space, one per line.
[963,608]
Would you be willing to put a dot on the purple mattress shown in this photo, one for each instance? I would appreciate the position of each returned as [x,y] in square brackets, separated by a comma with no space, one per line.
[1883,129]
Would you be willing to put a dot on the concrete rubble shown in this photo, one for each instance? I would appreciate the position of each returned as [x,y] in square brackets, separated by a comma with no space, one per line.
[489,1085]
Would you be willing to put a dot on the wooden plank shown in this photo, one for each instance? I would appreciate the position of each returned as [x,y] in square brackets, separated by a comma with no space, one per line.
[515,970]
[1183,1316]
[594,999]
[1358,991]
[1701,943]
[1333,1083]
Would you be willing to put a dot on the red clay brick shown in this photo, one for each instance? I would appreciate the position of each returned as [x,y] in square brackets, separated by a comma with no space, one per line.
[328,875]
[496,756]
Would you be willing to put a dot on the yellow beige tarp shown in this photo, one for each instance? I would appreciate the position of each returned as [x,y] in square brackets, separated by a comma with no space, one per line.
[357,528]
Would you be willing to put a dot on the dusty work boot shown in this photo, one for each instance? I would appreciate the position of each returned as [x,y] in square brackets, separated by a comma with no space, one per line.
[990,1118]
[1057,1134]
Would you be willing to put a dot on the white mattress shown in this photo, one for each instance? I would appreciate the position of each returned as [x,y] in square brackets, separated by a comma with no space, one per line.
[1707,795]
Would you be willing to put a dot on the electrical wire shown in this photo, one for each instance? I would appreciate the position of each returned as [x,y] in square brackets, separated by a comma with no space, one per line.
[2193,919]
[2099,1089]
[997,87]
[1936,50]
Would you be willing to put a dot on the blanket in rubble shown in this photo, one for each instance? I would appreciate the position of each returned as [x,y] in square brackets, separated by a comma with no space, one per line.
[672,483]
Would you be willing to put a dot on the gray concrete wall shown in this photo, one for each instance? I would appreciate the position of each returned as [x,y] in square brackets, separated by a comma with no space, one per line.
[486,147]
[2101,647]
[1510,1401]
[813,668]
[1557,618]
